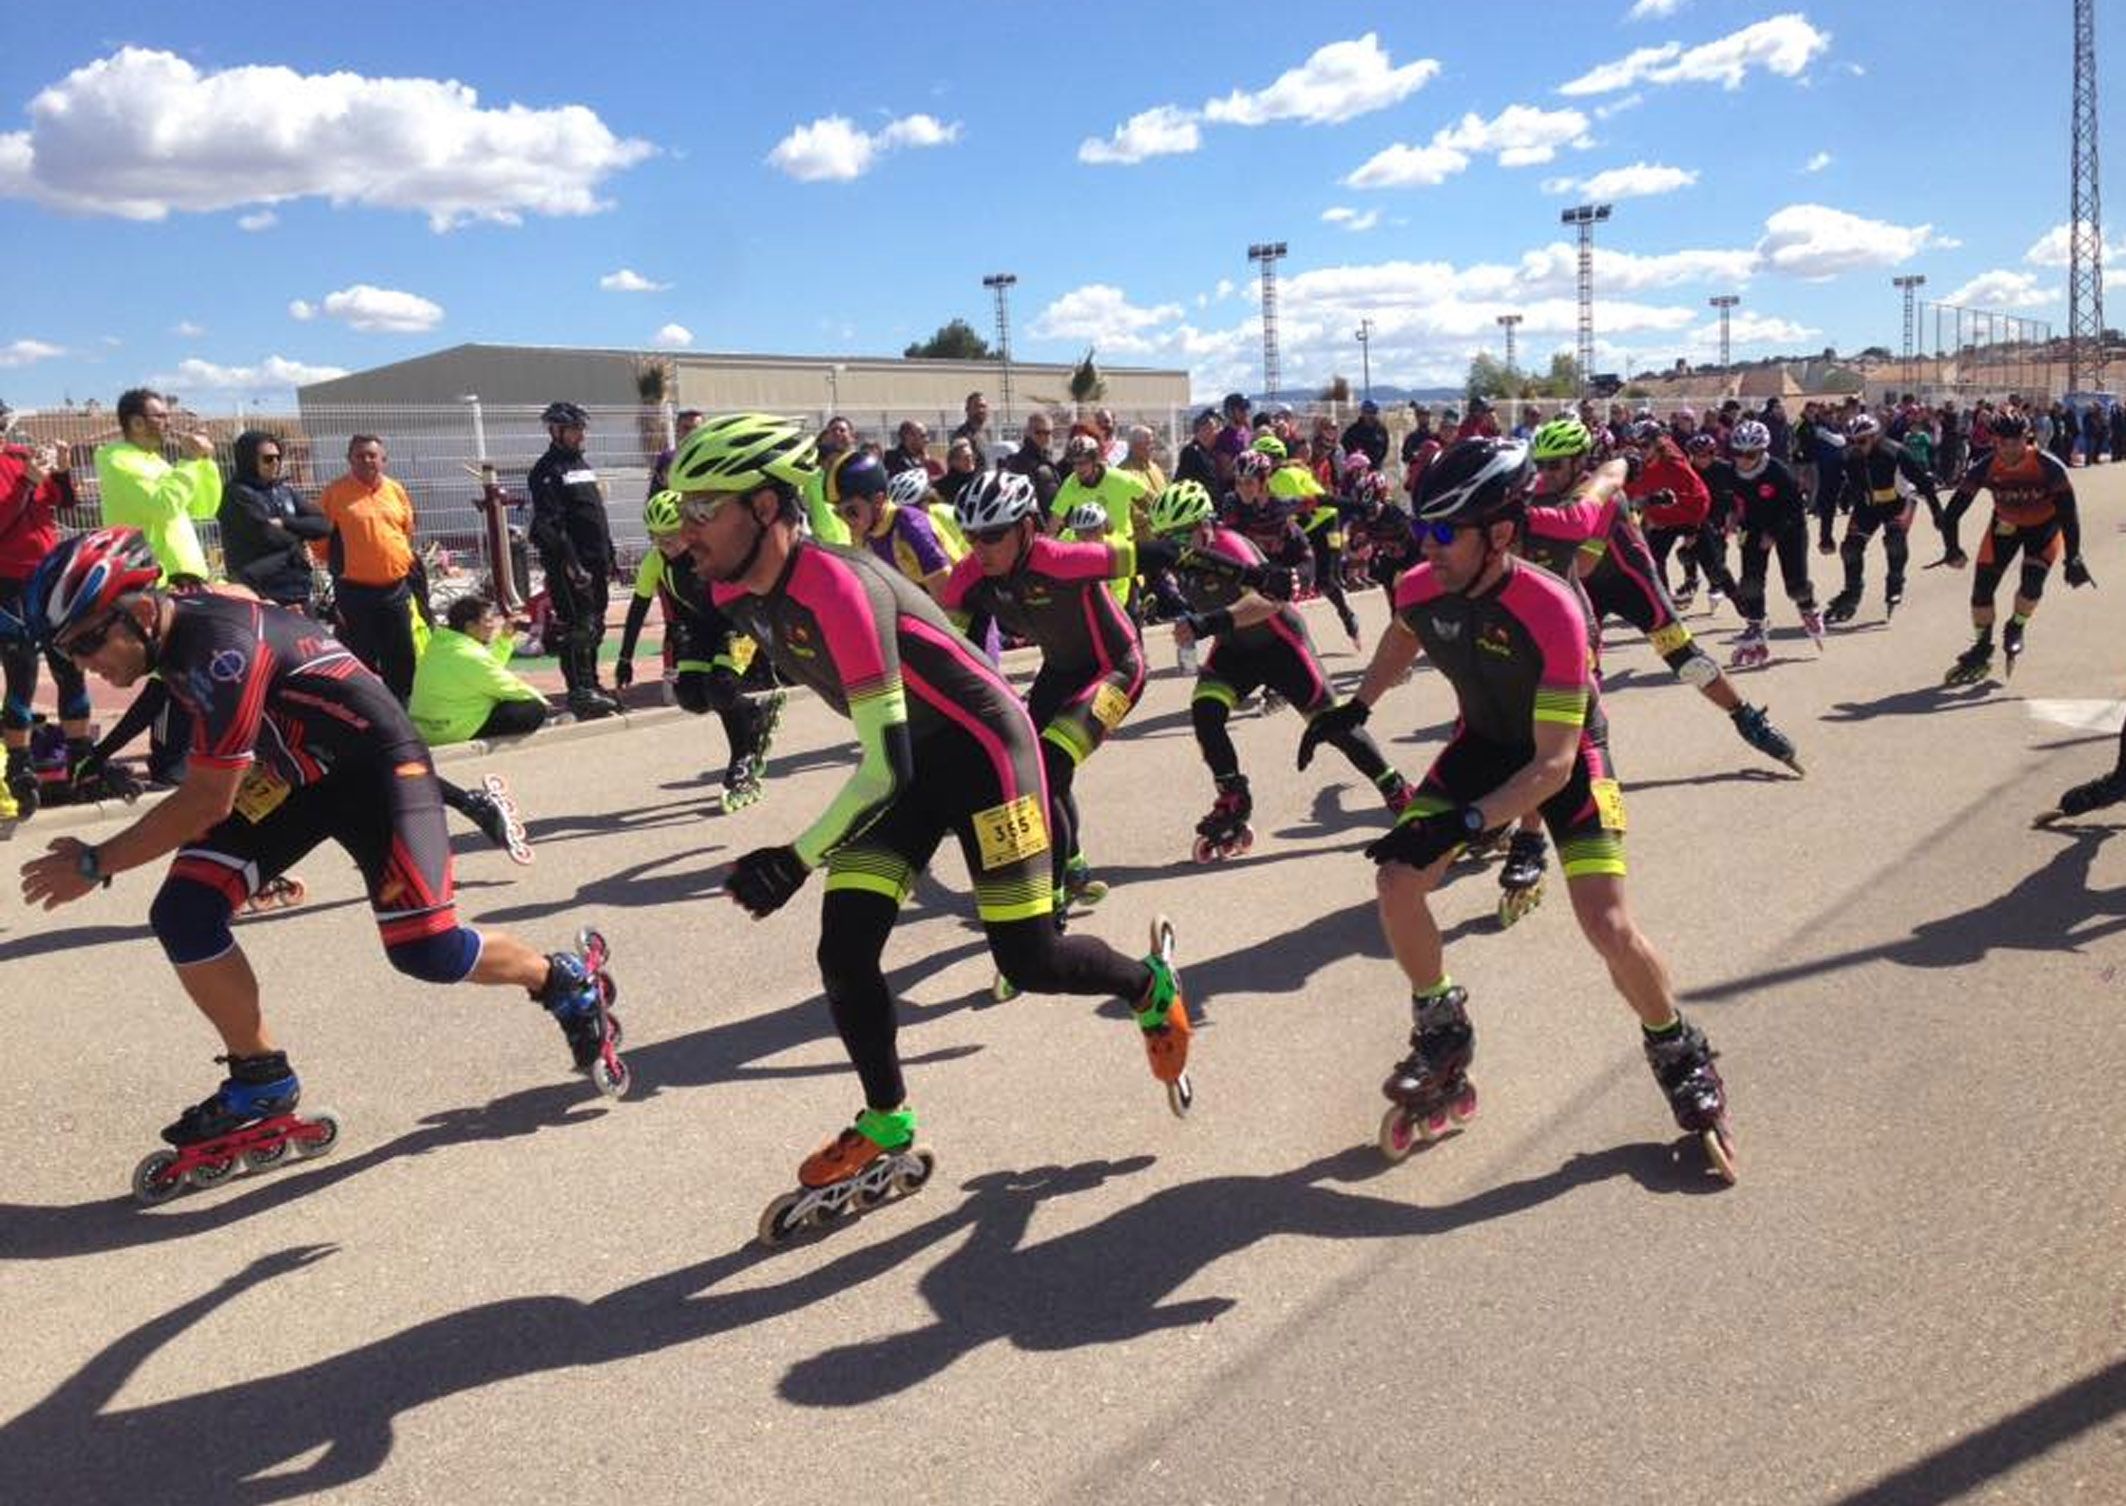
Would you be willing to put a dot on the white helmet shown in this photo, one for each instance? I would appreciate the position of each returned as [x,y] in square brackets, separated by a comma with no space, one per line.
[909,487]
[994,499]
[1087,517]
[1750,435]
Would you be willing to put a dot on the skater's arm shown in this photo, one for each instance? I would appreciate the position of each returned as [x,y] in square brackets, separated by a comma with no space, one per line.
[205,798]
[1393,655]
[1557,746]
[857,616]
[638,611]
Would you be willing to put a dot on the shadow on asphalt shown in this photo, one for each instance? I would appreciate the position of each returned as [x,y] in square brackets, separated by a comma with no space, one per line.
[1751,775]
[1920,702]
[331,1423]
[2050,910]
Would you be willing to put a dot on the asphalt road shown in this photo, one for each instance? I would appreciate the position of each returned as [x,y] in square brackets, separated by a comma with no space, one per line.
[502,1289]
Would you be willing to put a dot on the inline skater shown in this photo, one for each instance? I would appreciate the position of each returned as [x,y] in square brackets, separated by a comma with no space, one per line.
[1231,593]
[857,487]
[946,749]
[1676,507]
[1577,524]
[1531,738]
[1293,486]
[2034,512]
[706,673]
[1766,504]
[294,743]
[1868,489]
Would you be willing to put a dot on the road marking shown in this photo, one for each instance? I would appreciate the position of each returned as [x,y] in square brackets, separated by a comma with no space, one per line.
[2083,716]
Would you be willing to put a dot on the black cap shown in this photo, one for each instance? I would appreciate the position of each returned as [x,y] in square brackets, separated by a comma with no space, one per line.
[1234,400]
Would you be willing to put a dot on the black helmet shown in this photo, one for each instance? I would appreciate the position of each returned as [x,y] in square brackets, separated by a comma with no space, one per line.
[569,415]
[1475,481]
[2010,426]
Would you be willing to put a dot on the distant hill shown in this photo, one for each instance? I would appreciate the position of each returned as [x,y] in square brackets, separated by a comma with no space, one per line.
[1383,394]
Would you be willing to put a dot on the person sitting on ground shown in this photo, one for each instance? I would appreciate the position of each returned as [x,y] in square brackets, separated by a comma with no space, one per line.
[462,690]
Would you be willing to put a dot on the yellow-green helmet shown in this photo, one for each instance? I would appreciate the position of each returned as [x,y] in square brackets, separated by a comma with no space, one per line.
[742,452]
[1270,445]
[1183,507]
[1560,439]
[661,513]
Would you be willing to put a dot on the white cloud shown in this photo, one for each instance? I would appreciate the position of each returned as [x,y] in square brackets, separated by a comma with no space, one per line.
[628,280]
[2050,249]
[673,337]
[1519,136]
[1784,45]
[188,329]
[1099,314]
[1619,106]
[385,310]
[273,373]
[1638,181]
[1340,82]
[1650,10]
[28,352]
[1165,131]
[1812,241]
[1350,219]
[264,219]
[1744,328]
[2002,289]
[1227,288]
[834,149]
[1817,163]
[142,133]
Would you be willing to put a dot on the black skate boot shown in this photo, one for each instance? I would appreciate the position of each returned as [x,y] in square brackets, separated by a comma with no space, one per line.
[485,812]
[258,1087]
[741,783]
[1225,832]
[1972,665]
[1757,730]
[587,700]
[1521,875]
[2011,646]
[1682,1062]
[1842,607]
[1429,1091]
[2084,798]
[23,784]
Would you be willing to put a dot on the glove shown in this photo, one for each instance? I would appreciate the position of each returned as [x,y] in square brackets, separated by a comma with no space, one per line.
[1347,716]
[764,880]
[1662,498]
[1421,842]
[1204,626]
[623,672]
[2077,572]
[1157,556]
[1278,582]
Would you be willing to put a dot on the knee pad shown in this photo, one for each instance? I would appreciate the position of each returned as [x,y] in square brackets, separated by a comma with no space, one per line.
[1697,669]
[2034,574]
[446,957]
[191,920]
[691,691]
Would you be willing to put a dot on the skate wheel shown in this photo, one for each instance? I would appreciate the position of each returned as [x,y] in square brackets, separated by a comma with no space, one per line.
[1463,1108]
[323,1133]
[152,1182]
[911,1178]
[1163,939]
[612,1023]
[1720,1150]
[1204,851]
[776,1225]
[265,1156]
[1246,843]
[1180,1096]
[612,1078]
[1398,1134]
[590,941]
[609,989]
[212,1173]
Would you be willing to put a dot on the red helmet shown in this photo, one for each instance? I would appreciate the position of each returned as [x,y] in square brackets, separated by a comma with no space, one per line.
[84,578]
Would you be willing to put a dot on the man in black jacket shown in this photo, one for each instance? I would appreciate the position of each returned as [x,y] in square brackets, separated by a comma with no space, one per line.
[570,530]
[1368,435]
[266,525]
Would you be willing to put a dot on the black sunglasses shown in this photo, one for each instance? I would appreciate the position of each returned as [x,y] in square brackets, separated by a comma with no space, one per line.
[992,535]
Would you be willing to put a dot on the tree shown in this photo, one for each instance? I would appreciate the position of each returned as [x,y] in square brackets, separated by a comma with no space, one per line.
[1086,383]
[1562,380]
[955,341]
[1487,377]
[1872,353]
[1337,391]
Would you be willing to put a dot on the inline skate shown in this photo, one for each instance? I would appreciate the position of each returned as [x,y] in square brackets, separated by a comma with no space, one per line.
[580,993]
[2084,798]
[1751,650]
[2011,648]
[248,1125]
[1521,875]
[1756,729]
[1225,832]
[1682,1064]
[873,1160]
[1842,607]
[741,783]
[1162,1014]
[1080,888]
[1429,1092]
[1812,624]
[1972,665]
[494,811]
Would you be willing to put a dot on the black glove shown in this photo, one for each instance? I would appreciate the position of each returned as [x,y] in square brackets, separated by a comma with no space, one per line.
[2077,572]
[1204,626]
[1157,556]
[623,672]
[1278,582]
[1662,498]
[764,880]
[1423,841]
[1347,716]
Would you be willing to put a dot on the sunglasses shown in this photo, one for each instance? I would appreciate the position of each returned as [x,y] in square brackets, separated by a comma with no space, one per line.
[272,459]
[87,643]
[701,510]
[1441,534]
[1547,466]
[992,535]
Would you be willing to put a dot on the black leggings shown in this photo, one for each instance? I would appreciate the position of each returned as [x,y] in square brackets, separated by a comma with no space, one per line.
[1704,549]
[1853,548]
[514,719]
[1791,544]
[719,690]
[853,927]
[1327,543]
[19,662]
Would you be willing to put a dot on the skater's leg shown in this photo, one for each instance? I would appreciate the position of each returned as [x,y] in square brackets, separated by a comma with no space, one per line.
[1791,543]
[1853,554]
[1897,548]
[854,925]
[1749,591]
[190,917]
[1209,712]
[1039,960]
[1638,972]
[1060,766]
[1403,894]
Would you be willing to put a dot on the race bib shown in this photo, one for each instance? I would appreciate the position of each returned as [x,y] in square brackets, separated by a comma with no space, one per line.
[260,794]
[1609,803]
[1336,538]
[1110,706]
[1666,640]
[1011,833]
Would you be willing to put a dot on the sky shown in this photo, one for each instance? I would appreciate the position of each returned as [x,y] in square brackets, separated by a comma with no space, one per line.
[230,200]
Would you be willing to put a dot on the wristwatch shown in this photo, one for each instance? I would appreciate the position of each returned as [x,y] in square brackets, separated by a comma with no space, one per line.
[90,866]
[1472,822]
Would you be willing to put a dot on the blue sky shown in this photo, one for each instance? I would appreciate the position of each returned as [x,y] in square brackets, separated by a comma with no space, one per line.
[231,198]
